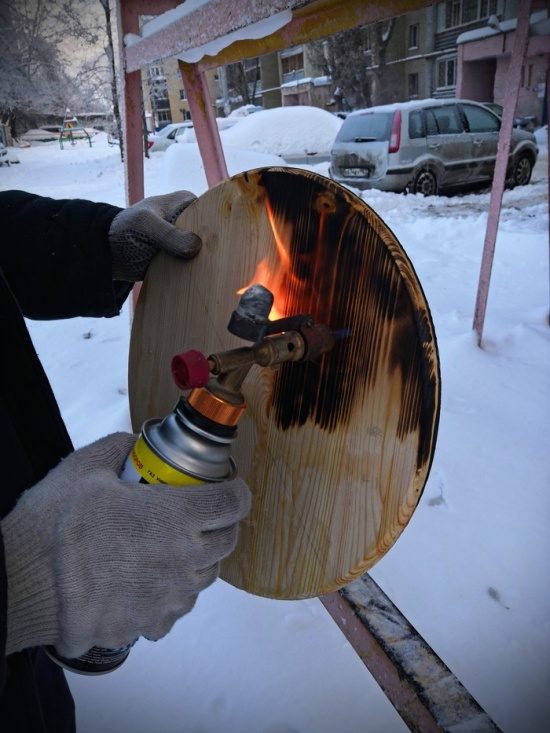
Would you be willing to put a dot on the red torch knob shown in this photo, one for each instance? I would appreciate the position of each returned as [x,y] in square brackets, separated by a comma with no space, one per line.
[190,369]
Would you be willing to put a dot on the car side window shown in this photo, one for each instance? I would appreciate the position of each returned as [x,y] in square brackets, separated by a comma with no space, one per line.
[448,119]
[480,120]
[171,135]
[431,124]
[416,125]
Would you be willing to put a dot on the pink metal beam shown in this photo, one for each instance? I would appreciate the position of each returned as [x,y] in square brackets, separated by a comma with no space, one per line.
[204,122]
[548,148]
[128,22]
[128,13]
[499,179]
[423,690]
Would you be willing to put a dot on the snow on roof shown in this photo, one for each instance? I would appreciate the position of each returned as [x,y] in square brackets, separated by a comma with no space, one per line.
[296,82]
[252,31]
[164,19]
[317,81]
[505,26]
[411,104]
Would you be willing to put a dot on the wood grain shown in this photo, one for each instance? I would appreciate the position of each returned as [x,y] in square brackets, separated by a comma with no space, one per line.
[336,452]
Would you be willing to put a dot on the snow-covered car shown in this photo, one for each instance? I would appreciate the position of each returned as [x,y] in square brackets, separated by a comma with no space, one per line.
[245,110]
[285,131]
[167,136]
[41,135]
[187,134]
[49,133]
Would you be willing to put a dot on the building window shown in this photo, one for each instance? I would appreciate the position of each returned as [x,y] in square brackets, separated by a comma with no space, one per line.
[446,72]
[163,116]
[413,36]
[156,72]
[460,12]
[293,66]
[452,13]
[413,86]
[183,95]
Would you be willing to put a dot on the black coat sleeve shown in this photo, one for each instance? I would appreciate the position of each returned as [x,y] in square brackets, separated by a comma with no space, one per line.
[56,257]
[56,263]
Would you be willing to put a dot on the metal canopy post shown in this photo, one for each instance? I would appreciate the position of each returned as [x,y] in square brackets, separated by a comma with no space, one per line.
[499,179]
[128,14]
[204,122]
[548,162]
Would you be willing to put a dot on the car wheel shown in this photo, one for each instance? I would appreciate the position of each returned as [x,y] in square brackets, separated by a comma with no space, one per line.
[425,183]
[522,171]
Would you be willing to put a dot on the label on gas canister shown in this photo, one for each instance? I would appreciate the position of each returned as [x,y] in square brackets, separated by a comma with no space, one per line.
[145,466]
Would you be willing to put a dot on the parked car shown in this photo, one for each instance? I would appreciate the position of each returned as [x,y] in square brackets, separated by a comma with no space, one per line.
[526,122]
[187,134]
[167,136]
[426,146]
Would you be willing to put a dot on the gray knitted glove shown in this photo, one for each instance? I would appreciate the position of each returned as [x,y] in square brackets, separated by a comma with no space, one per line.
[139,232]
[94,561]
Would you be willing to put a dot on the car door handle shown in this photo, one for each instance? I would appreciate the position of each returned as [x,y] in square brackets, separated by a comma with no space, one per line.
[478,142]
[434,145]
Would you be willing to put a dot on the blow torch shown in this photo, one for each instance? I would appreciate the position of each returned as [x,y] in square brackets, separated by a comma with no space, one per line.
[192,444]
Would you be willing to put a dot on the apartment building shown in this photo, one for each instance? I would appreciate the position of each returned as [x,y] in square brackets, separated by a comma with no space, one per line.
[164,95]
[447,49]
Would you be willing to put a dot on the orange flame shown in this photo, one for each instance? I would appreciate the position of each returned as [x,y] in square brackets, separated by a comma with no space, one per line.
[276,280]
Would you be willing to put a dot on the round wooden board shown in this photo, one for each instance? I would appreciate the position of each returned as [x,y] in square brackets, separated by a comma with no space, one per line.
[336,452]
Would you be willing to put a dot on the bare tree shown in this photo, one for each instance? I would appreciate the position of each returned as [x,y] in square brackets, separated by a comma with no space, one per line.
[242,80]
[110,52]
[33,79]
[356,61]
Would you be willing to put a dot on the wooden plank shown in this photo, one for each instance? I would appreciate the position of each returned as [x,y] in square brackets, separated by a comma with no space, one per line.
[422,689]
[337,452]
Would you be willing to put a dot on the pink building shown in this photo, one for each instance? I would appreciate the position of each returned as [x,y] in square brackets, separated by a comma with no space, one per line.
[483,59]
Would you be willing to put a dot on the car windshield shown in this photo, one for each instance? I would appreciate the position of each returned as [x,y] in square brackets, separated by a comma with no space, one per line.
[166,131]
[370,126]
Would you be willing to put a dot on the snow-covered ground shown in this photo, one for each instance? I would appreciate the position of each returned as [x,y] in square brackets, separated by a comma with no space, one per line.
[471,569]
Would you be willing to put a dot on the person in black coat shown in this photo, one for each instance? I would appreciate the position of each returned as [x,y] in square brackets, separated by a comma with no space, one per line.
[85,559]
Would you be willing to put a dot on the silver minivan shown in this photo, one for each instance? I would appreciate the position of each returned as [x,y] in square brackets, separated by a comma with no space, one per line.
[426,146]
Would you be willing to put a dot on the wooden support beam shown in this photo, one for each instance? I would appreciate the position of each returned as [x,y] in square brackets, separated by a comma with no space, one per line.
[422,689]
[499,178]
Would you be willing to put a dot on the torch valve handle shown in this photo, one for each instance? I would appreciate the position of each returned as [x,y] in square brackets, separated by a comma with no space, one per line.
[190,369]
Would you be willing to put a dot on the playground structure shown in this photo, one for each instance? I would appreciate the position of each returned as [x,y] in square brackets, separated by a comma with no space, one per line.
[72,130]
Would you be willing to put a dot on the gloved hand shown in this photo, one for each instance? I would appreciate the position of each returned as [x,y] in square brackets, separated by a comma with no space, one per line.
[139,232]
[94,561]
